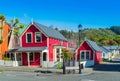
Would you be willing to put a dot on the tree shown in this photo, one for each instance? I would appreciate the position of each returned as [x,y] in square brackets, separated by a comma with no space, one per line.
[66,54]
[117,39]
[2,17]
[14,28]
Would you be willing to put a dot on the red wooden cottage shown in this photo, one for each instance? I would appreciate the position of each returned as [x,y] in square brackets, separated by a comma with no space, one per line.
[89,53]
[39,46]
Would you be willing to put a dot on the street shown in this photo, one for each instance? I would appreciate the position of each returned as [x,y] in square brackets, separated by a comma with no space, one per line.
[24,76]
[106,71]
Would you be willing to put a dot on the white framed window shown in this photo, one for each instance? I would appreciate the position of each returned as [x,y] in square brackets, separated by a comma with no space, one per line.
[38,37]
[85,55]
[58,54]
[28,37]
[31,56]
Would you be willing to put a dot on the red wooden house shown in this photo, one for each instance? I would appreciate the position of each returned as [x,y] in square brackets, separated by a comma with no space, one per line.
[89,52]
[39,46]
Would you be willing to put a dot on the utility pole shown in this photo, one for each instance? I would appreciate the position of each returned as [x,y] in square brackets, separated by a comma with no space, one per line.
[79,31]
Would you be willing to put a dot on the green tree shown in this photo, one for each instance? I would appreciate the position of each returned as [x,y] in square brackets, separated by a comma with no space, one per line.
[14,28]
[2,17]
[117,39]
[66,54]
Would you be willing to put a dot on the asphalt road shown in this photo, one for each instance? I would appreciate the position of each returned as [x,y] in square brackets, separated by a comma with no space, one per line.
[24,76]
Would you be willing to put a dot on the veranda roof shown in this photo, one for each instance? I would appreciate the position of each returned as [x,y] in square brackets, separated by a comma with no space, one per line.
[28,49]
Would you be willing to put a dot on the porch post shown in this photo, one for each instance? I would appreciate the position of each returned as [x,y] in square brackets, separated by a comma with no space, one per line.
[60,54]
[28,59]
[10,55]
[41,59]
[15,59]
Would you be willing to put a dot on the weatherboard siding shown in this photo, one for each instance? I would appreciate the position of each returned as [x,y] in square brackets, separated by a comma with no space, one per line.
[98,57]
[4,45]
[36,61]
[32,29]
[85,47]
[52,43]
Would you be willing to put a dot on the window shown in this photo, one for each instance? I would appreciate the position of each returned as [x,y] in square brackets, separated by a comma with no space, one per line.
[31,56]
[44,56]
[29,38]
[58,54]
[82,55]
[38,37]
[85,55]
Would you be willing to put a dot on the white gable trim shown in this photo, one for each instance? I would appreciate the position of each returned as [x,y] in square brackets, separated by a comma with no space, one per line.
[27,29]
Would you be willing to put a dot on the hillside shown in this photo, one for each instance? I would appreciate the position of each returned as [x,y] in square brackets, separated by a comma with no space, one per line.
[101,36]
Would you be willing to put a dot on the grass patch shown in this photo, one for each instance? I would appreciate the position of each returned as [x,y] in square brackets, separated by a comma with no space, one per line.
[1,70]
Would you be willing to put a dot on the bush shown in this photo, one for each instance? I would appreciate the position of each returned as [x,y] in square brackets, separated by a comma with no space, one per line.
[105,59]
[7,59]
[59,65]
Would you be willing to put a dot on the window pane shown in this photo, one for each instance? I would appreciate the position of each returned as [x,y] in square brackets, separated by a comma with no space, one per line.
[82,55]
[38,37]
[31,56]
[44,56]
[87,56]
[29,38]
[58,54]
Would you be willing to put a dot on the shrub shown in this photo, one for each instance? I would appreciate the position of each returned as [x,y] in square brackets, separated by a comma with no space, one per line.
[59,65]
[105,59]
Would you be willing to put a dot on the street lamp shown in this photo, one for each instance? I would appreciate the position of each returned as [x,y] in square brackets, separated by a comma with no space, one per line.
[79,31]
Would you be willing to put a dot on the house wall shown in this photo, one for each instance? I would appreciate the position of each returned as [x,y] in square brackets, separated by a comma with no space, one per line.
[84,46]
[4,45]
[33,29]
[52,43]
[36,61]
[98,57]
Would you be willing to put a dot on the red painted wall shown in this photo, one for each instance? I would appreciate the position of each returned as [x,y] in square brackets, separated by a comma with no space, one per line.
[24,59]
[33,29]
[36,61]
[52,43]
[98,57]
[85,46]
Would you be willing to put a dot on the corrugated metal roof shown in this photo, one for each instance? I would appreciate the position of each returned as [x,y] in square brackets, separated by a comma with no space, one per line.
[111,47]
[28,49]
[104,49]
[93,45]
[50,32]
[21,30]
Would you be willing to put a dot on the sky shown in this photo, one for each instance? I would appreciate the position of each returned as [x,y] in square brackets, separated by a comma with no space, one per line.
[64,14]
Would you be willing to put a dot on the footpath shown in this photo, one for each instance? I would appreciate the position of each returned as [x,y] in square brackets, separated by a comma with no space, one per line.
[42,70]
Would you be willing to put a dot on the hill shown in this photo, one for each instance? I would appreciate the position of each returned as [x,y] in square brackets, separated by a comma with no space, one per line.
[101,36]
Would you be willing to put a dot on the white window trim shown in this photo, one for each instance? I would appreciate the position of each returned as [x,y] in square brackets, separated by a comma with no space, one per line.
[56,54]
[35,37]
[31,37]
[33,57]
[85,54]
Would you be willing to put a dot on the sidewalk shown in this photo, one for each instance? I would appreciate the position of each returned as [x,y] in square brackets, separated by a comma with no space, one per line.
[40,70]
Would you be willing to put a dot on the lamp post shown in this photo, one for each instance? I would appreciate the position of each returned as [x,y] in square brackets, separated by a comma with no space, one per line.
[79,31]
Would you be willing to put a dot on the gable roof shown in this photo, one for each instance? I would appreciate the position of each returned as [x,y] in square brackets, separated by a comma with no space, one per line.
[111,47]
[21,30]
[104,49]
[93,45]
[46,30]
[50,32]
